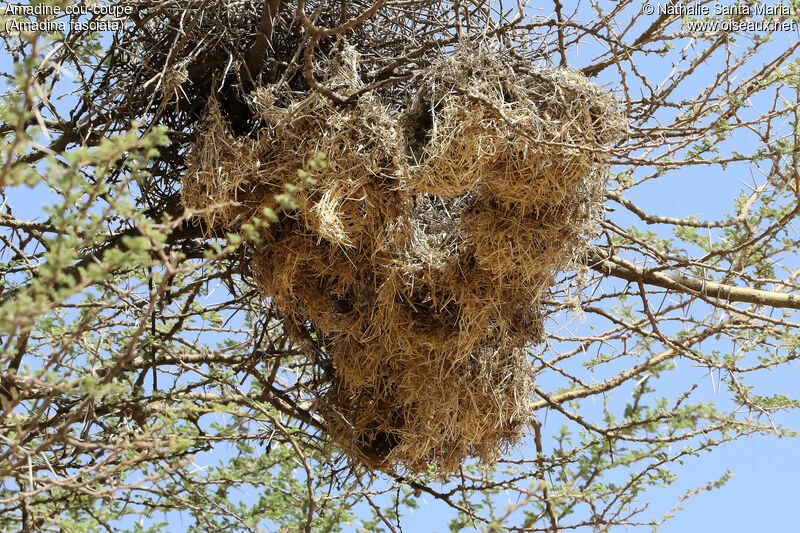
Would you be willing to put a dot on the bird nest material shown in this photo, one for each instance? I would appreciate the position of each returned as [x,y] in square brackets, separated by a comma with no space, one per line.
[359,192]
[467,408]
[523,134]
[420,256]
[220,171]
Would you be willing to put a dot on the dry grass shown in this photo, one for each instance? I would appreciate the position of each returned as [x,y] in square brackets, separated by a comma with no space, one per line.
[421,254]
[530,136]
[438,415]
[221,171]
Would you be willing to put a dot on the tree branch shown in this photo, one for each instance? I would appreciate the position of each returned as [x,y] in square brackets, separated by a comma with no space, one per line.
[620,268]
[257,52]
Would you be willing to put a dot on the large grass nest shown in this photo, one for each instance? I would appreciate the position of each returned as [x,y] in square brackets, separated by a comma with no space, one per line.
[420,255]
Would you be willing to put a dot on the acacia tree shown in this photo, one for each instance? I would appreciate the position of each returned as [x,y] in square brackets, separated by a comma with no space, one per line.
[147,379]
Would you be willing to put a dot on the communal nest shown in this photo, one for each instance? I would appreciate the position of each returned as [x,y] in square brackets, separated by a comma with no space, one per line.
[420,255]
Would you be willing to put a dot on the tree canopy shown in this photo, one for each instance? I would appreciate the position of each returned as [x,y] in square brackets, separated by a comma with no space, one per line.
[150,379]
